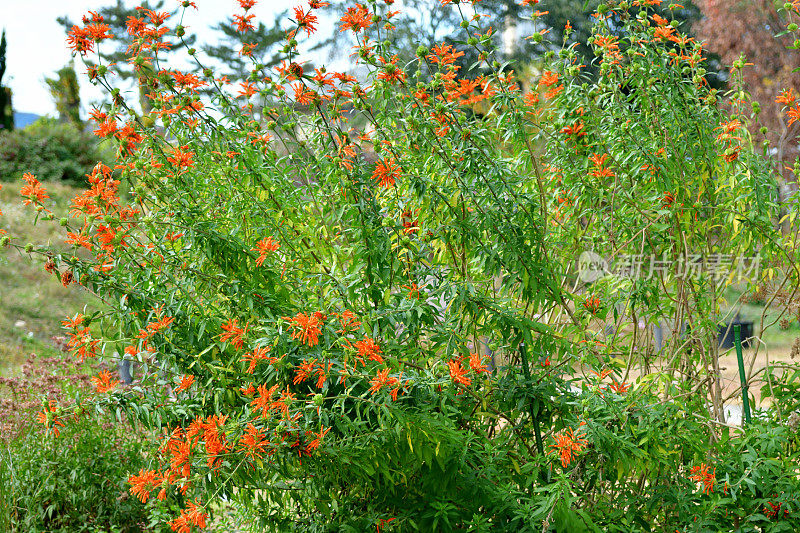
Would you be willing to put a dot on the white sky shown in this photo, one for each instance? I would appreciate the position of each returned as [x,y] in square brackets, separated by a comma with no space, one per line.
[37,43]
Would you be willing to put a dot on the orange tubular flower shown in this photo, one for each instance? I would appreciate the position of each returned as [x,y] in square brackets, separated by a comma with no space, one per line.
[191,516]
[458,373]
[381,380]
[356,18]
[568,444]
[368,349]
[386,172]
[233,333]
[306,21]
[592,304]
[186,382]
[793,114]
[786,97]
[49,418]
[306,328]
[143,483]
[704,474]
[254,357]
[33,192]
[263,247]
[243,23]
[254,442]
[348,321]
[181,159]
[476,363]
[105,382]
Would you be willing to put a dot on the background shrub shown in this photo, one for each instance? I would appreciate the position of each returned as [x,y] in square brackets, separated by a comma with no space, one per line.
[58,151]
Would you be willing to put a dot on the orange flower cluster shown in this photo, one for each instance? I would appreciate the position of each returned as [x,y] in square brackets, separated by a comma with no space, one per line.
[369,350]
[80,342]
[356,18]
[729,140]
[592,304]
[233,333]
[82,40]
[33,192]
[706,475]
[105,382]
[600,169]
[304,370]
[386,172]
[48,417]
[258,354]
[307,328]
[186,382]
[568,444]
[193,515]
[263,247]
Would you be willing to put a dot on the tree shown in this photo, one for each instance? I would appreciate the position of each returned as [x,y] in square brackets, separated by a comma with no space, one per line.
[66,93]
[228,52]
[735,30]
[6,109]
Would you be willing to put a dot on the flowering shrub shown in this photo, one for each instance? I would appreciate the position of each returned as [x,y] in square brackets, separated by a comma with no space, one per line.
[347,328]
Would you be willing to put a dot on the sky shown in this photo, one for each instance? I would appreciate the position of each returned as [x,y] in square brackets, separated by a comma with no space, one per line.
[37,43]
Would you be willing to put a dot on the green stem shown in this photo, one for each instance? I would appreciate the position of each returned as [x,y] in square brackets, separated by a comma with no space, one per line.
[737,339]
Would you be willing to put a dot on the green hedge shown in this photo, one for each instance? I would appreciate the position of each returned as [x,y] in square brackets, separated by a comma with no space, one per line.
[51,150]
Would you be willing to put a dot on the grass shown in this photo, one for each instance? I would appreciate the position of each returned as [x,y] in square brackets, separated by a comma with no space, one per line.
[32,301]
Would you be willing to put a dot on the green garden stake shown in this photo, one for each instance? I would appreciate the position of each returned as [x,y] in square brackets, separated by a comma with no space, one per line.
[535,419]
[737,340]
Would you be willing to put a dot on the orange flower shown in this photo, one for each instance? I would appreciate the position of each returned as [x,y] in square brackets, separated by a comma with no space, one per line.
[793,114]
[356,18]
[143,483]
[413,291]
[306,328]
[305,21]
[186,382]
[391,72]
[105,381]
[263,247]
[548,79]
[314,444]
[243,23]
[348,321]
[386,172]
[253,442]
[254,357]
[33,191]
[568,444]
[181,159]
[367,348]
[592,304]
[381,380]
[458,373]
[786,97]
[233,333]
[304,371]
[476,363]
[263,402]
[191,516]
[708,477]
[49,418]
[619,388]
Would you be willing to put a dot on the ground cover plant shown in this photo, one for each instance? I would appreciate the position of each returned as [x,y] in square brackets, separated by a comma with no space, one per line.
[355,302]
